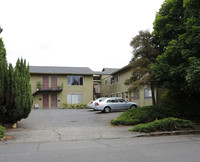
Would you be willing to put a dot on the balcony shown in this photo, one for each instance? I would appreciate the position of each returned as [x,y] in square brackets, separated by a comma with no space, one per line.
[40,88]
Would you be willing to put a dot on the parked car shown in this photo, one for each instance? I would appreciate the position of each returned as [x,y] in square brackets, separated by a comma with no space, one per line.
[114,103]
[91,104]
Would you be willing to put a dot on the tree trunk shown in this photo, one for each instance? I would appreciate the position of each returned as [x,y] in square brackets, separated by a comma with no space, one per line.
[153,96]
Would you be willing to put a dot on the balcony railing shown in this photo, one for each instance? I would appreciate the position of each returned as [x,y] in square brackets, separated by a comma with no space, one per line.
[40,88]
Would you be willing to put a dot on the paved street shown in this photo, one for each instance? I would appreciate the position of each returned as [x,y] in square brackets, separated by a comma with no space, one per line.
[85,135]
[145,149]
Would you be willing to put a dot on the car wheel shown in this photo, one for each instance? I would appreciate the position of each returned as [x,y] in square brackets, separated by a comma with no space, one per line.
[133,106]
[106,109]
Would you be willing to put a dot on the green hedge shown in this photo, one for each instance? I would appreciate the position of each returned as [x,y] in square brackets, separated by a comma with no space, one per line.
[74,106]
[140,115]
[167,124]
[2,132]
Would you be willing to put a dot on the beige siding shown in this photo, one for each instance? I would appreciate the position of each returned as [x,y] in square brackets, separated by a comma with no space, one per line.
[105,89]
[120,87]
[86,89]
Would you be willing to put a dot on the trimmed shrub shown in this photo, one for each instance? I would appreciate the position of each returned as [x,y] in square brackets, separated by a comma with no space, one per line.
[74,106]
[140,115]
[167,124]
[2,132]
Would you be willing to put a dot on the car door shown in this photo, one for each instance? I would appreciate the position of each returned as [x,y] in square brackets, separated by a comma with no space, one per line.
[123,104]
[113,104]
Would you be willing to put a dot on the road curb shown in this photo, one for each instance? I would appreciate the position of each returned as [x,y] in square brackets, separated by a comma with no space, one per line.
[167,133]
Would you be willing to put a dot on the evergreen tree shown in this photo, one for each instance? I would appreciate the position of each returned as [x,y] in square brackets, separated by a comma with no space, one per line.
[15,89]
[21,96]
[3,80]
[144,55]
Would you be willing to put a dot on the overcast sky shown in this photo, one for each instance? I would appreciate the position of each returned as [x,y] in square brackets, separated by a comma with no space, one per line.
[82,33]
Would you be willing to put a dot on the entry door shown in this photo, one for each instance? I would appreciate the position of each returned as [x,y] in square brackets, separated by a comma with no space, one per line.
[45,82]
[54,100]
[45,100]
[54,82]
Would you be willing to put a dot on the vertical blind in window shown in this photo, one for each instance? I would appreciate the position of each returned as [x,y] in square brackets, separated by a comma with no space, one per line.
[74,98]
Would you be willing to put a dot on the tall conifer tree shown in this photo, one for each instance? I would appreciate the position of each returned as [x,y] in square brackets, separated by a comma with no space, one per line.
[15,89]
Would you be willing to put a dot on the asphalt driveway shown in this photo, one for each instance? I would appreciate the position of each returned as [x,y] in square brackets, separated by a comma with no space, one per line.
[49,125]
[49,118]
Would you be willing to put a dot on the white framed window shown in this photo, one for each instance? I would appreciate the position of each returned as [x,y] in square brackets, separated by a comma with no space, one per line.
[111,95]
[147,93]
[74,98]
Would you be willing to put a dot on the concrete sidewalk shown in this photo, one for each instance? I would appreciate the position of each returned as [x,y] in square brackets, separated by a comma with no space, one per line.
[68,134]
[82,133]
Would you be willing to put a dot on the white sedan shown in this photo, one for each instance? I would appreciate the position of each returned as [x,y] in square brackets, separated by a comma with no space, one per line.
[114,103]
[91,104]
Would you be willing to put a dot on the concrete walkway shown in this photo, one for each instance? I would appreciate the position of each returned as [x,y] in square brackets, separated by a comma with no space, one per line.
[69,134]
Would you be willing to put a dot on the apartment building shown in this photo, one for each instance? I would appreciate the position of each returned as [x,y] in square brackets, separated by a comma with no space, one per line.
[53,86]
[112,85]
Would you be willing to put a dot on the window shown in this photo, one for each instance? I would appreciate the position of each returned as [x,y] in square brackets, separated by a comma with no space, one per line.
[112,80]
[147,93]
[74,98]
[106,81]
[117,78]
[112,101]
[136,95]
[74,80]
[117,94]
[121,100]
[111,95]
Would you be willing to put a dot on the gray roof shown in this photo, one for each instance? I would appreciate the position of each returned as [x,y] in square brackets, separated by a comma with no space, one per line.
[123,68]
[109,70]
[60,70]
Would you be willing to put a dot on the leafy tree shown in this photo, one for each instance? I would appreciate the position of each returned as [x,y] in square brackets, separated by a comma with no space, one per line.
[168,24]
[144,55]
[178,67]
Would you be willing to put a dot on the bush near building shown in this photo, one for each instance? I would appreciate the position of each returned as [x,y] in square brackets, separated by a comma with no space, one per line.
[74,106]
[2,132]
[140,115]
[167,124]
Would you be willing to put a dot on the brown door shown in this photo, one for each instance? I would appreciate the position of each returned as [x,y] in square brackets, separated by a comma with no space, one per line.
[54,82]
[45,100]
[45,82]
[54,100]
